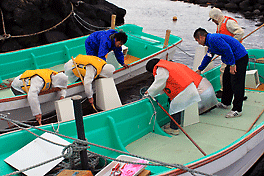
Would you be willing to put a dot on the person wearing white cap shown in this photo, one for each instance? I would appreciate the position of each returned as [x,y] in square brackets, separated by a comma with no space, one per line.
[225,25]
[32,82]
[90,67]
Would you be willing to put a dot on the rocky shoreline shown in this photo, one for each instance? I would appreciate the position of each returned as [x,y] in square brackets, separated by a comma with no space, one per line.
[32,23]
[250,9]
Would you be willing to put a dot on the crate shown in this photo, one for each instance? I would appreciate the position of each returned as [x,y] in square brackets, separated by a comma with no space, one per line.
[252,79]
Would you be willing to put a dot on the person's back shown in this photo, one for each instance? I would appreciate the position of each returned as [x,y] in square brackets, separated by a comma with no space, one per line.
[225,25]
[234,46]
[100,43]
[32,82]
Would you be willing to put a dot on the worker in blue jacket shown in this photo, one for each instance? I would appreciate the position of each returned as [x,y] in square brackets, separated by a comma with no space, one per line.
[235,56]
[100,43]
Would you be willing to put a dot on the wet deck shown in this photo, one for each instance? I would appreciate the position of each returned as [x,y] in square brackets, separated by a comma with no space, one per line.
[212,133]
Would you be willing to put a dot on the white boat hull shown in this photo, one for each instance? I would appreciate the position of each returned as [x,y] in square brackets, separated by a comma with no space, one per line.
[17,107]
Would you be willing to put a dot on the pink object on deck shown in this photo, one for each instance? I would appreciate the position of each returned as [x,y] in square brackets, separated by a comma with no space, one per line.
[131,169]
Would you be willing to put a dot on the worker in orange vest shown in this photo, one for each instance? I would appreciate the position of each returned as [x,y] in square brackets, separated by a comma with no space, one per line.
[183,87]
[229,26]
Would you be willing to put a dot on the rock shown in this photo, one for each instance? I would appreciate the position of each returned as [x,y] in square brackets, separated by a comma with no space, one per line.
[202,2]
[248,15]
[248,8]
[10,45]
[220,5]
[46,17]
[10,5]
[261,2]
[36,2]
[231,7]
[28,14]
[245,5]
[73,29]
[256,12]
[55,36]
[50,18]
[63,7]
[236,1]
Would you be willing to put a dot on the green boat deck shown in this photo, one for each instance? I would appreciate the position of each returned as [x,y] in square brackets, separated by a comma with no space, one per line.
[213,126]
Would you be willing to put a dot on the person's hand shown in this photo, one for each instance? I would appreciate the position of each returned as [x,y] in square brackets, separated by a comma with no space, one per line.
[199,72]
[38,118]
[126,66]
[233,69]
[91,101]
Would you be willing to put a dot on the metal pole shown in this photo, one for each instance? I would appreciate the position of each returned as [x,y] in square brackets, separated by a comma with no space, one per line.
[179,126]
[80,128]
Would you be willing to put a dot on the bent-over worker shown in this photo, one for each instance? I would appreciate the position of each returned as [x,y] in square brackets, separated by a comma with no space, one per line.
[33,82]
[183,87]
[235,56]
[100,43]
[90,67]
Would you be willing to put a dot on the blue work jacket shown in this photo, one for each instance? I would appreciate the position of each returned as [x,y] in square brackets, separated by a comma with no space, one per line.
[229,48]
[100,44]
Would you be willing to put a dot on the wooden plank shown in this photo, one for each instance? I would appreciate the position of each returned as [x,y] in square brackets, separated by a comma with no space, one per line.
[129,59]
[144,173]
[67,172]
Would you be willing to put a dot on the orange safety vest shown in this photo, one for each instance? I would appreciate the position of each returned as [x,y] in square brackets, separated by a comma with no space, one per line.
[83,60]
[180,77]
[44,74]
[223,29]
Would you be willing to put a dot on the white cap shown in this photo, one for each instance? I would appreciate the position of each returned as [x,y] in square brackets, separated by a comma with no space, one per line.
[60,80]
[216,14]
[107,71]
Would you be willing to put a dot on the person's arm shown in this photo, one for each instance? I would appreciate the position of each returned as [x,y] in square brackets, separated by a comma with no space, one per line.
[235,29]
[159,83]
[68,71]
[36,85]
[88,79]
[104,47]
[62,93]
[120,56]
[206,60]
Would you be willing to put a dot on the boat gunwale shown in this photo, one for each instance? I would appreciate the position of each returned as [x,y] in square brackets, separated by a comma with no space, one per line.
[220,153]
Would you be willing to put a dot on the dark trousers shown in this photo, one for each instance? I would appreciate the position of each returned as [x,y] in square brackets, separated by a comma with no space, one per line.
[177,117]
[234,85]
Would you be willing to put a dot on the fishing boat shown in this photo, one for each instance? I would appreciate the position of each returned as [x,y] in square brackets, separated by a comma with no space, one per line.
[139,48]
[211,145]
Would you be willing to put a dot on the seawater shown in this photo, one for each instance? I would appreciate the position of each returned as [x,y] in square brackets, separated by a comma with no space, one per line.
[155,16]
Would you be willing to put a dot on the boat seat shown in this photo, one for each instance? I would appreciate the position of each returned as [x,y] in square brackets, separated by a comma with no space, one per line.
[111,59]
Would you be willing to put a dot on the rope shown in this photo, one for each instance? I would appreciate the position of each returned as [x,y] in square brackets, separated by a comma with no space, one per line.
[184,51]
[3,23]
[83,25]
[34,166]
[192,171]
[98,27]
[6,36]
